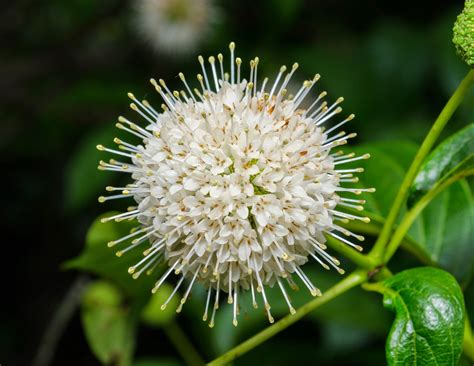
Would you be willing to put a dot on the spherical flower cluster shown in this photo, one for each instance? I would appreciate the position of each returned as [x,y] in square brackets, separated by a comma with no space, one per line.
[175,27]
[235,183]
[463,33]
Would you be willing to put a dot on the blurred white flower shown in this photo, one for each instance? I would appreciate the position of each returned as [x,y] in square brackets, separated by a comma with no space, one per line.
[175,27]
[236,184]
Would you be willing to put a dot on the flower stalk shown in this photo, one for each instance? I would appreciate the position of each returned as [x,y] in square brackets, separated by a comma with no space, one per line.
[354,279]
[438,126]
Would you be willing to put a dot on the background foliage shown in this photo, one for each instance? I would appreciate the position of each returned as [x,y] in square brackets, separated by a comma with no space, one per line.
[65,70]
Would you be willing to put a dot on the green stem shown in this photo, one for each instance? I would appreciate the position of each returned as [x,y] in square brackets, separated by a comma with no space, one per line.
[183,344]
[354,279]
[361,260]
[468,341]
[425,148]
[411,215]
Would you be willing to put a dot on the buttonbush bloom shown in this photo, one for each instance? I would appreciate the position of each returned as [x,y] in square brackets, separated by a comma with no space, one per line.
[236,184]
[175,27]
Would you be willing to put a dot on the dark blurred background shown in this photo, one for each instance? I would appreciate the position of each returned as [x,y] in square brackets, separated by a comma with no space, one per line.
[65,69]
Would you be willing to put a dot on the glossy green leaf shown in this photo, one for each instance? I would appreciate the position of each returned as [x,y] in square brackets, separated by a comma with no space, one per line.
[429,322]
[452,156]
[99,259]
[108,325]
[443,232]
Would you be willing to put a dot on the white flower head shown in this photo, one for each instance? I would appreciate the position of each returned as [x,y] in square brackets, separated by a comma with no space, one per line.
[236,185]
[175,27]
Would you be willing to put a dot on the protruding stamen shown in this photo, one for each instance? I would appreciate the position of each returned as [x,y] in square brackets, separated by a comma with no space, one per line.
[212,61]
[362,157]
[208,298]
[238,62]
[277,80]
[163,307]
[234,321]
[348,242]
[285,295]
[201,61]
[232,49]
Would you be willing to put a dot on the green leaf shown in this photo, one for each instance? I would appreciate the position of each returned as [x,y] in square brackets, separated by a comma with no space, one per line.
[453,156]
[429,323]
[109,326]
[101,260]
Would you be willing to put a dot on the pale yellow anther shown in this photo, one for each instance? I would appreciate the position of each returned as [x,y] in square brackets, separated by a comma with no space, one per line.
[119,253]
[176,93]
[315,292]
[232,46]
[154,83]
[201,59]
[101,199]
[338,110]
[340,100]
[131,270]
[125,192]
[351,117]
[100,147]
[295,66]
[238,61]
[181,76]
[131,96]
[134,106]
[117,140]
[283,68]
[162,83]
[212,59]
